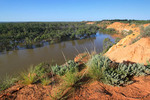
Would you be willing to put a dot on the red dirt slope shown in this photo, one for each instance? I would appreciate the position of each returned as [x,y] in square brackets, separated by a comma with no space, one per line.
[139,90]
[97,91]
[138,52]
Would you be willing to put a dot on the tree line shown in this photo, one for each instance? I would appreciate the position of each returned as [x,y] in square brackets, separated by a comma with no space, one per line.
[29,33]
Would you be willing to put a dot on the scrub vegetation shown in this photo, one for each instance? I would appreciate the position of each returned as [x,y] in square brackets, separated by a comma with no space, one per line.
[144,32]
[26,34]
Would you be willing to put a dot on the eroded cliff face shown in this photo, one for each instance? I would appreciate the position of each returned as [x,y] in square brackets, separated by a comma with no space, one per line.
[124,50]
[138,52]
[90,23]
[124,26]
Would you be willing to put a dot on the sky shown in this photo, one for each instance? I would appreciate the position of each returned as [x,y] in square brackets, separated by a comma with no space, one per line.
[73,10]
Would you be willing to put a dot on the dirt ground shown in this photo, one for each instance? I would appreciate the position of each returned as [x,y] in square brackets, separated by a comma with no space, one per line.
[139,90]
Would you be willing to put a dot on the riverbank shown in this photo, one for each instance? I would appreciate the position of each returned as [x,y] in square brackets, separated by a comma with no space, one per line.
[22,59]
[90,75]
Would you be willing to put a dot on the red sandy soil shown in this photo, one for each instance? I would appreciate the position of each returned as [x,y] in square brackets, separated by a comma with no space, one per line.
[138,52]
[90,22]
[30,92]
[139,90]
[124,26]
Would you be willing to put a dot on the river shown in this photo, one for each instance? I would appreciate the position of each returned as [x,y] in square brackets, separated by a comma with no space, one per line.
[13,62]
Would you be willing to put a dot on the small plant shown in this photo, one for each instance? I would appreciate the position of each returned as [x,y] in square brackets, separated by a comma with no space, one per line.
[29,77]
[126,32]
[145,31]
[45,81]
[117,40]
[63,69]
[71,81]
[71,78]
[107,44]
[41,69]
[96,67]
[35,73]
[7,82]
[130,32]
[136,39]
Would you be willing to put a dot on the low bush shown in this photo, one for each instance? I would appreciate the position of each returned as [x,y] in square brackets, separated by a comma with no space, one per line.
[96,66]
[35,73]
[108,31]
[117,40]
[41,69]
[71,81]
[107,44]
[145,31]
[29,77]
[45,81]
[7,82]
[99,69]
[71,78]
[126,32]
[61,70]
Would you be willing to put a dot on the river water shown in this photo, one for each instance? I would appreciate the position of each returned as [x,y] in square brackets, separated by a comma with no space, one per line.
[13,62]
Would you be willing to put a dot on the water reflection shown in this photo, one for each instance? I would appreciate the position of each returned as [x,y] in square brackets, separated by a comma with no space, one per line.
[17,60]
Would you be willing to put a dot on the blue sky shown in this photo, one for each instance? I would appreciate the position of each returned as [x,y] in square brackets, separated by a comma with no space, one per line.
[73,10]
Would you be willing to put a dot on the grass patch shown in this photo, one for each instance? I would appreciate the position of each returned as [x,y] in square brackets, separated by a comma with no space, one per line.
[7,82]
[29,77]
[35,74]
[71,82]
[45,81]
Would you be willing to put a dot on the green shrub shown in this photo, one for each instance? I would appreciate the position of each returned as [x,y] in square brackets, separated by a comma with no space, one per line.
[71,81]
[35,73]
[29,77]
[99,69]
[96,66]
[117,40]
[130,32]
[108,31]
[126,32]
[7,82]
[136,39]
[45,81]
[107,44]
[71,78]
[41,69]
[145,32]
[61,70]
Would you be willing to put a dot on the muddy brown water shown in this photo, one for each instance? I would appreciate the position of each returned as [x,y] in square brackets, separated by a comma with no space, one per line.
[13,62]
